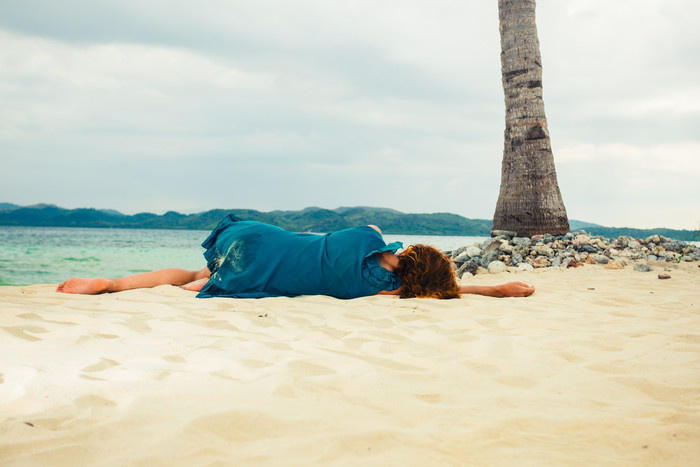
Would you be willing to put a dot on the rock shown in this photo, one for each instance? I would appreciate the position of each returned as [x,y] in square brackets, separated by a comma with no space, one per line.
[539,262]
[664,276]
[516,258]
[473,251]
[623,241]
[558,245]
[524,267]
[688,259]
[503,233]
[652,239]
[522,242]
[490,253]
[582,238]
[496,267]
[544,250]
[586,247]
[600,259]
[600,244]
[536,238]
[481,270]
[613,265]
[506,247]
[463,257]
[574,263]
[456,252]
[642,267]
[469,266]
[556,262]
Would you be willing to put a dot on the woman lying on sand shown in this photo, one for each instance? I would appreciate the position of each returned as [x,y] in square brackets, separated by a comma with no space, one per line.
[248,259]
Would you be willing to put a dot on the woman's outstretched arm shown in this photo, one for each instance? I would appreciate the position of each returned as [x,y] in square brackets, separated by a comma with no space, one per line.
[510,289]
[170,276]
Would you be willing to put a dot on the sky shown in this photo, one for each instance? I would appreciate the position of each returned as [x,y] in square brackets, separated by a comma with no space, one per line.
[158,105]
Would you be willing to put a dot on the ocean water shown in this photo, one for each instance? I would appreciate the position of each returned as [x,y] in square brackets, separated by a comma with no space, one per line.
[50,255]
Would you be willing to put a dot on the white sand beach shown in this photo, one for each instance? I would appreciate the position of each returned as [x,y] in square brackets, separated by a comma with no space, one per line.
[598,367]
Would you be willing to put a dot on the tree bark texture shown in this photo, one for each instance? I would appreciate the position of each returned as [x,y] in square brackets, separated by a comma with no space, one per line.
[529,201]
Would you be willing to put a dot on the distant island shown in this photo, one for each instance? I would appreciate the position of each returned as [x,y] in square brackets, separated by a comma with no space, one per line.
[312,219]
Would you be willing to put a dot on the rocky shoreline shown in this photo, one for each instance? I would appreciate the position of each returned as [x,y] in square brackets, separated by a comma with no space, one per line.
[505,251]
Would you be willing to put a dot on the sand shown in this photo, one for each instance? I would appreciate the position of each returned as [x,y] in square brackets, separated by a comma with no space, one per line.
[599,367]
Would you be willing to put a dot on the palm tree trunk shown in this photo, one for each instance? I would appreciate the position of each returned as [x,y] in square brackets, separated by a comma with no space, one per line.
[529,202]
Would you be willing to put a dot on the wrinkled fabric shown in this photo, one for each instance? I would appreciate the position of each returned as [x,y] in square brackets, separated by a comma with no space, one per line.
[249,259]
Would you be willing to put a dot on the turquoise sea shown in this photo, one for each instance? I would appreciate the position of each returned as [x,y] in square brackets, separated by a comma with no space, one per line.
[49,255]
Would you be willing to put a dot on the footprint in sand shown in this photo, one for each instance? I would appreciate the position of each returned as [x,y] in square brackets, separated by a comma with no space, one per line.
[104,364]
[22,332]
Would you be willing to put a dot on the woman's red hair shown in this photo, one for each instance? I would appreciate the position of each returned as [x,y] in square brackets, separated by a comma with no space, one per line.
[426,272]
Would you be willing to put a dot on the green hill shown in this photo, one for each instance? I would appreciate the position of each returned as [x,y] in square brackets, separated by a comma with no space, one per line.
[311,219]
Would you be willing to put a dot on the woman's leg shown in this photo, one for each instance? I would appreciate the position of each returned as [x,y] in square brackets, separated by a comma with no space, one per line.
[171,276]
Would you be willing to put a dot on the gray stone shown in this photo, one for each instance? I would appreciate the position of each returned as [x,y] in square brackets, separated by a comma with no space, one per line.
[600,259]
[469,266]
[525,267]
[490,253]
[464,256]
[623,241]
[544,250]
[473,251]
[496,267]
[522,241]
[587,248]
[676,246]
[641,267]
[458,251]
[516,258]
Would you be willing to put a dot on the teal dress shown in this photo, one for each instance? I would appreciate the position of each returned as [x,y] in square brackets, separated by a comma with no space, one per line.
[249,259]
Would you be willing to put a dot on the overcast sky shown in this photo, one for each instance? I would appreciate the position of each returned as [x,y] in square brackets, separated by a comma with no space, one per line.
[157,105]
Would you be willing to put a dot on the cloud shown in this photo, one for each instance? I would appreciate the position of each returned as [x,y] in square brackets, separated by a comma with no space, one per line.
[280,105]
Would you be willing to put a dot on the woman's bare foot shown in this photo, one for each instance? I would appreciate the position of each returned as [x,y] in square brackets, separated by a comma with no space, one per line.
[195,286]
[85,286]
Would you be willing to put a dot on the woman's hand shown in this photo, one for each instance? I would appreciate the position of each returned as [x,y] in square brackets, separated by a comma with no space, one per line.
[516,289]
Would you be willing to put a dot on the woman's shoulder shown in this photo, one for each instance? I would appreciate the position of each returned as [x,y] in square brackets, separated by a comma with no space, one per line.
[375,228]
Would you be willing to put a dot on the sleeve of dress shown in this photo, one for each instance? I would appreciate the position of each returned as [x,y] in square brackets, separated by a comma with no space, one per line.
[375,274]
